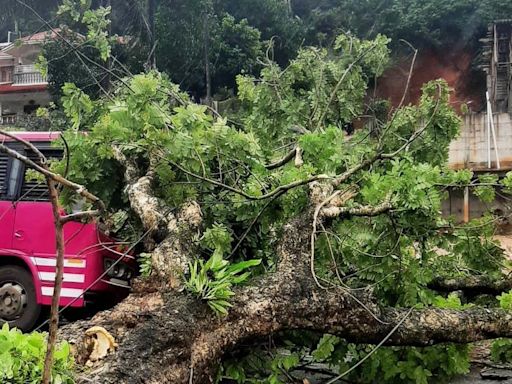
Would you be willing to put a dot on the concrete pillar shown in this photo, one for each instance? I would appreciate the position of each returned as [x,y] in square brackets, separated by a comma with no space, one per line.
[466,204]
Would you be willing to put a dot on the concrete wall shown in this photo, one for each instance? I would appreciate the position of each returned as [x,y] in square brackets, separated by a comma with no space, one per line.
[471,148]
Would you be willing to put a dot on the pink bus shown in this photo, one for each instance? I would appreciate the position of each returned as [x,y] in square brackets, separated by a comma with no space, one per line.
[27,246]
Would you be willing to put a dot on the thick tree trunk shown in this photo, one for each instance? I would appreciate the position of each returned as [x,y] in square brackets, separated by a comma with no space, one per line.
[170,232]
[171,337]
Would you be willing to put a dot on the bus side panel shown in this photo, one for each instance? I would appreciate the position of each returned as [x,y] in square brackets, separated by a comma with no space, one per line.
[73,284]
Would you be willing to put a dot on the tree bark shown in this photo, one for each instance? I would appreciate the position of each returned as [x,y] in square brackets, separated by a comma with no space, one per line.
[59,273]
[165,338]
[170,231]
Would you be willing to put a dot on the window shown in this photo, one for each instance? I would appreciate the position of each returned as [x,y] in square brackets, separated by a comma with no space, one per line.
[5,75]
[37,190]
[16,167]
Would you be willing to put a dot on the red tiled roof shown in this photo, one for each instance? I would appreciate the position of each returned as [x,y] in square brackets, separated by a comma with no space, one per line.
[9,88]
[41,36]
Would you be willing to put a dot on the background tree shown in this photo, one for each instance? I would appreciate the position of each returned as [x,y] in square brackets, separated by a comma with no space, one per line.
[425,24]
[283,27]
[277,26]
[234,46]
[12,14]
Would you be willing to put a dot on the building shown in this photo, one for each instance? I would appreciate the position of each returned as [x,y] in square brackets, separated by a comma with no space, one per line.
[498,68]
[22,87]
[485,141]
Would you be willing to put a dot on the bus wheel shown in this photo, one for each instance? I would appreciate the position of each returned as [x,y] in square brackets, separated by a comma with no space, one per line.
[18,303]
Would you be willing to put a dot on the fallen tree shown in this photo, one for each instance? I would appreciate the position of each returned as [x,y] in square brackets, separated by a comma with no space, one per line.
[341,235]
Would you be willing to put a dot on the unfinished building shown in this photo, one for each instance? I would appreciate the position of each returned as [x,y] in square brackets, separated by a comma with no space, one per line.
[485,141]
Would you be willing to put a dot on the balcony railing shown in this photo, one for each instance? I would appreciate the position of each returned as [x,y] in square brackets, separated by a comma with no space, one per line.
[8,120]
[26,122]
[27,74]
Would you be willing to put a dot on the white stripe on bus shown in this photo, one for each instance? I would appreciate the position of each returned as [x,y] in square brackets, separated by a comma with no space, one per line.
[68,277]
[65,292]
[51,262]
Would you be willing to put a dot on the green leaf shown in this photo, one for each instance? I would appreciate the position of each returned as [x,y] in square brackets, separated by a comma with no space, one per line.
[325,347]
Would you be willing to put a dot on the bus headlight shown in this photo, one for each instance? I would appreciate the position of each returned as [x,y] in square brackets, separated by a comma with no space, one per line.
[117,270]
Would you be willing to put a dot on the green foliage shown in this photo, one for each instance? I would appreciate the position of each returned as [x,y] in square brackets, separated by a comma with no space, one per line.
[96,21]
[388,365]
[145,266]
[456,178]
[257,368]
[74,9]
[507,182]
[22,358]
[218,238]
[452,301]
[501,349]
[77,105]
[485,191]
[280,29]
[212,281]
[505,300]
[325,348]
[317,90]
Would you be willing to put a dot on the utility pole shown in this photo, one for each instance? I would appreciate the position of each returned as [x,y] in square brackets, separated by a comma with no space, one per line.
[152,35]
[206,42]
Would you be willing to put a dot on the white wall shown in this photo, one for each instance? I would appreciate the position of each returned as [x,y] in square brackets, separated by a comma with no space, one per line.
[471,148]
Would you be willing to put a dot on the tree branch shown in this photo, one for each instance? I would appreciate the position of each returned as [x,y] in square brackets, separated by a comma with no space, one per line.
[363,210]
[472,284]
[279,190]
[287,158]
[348,173]
[26,143]
[80,216]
